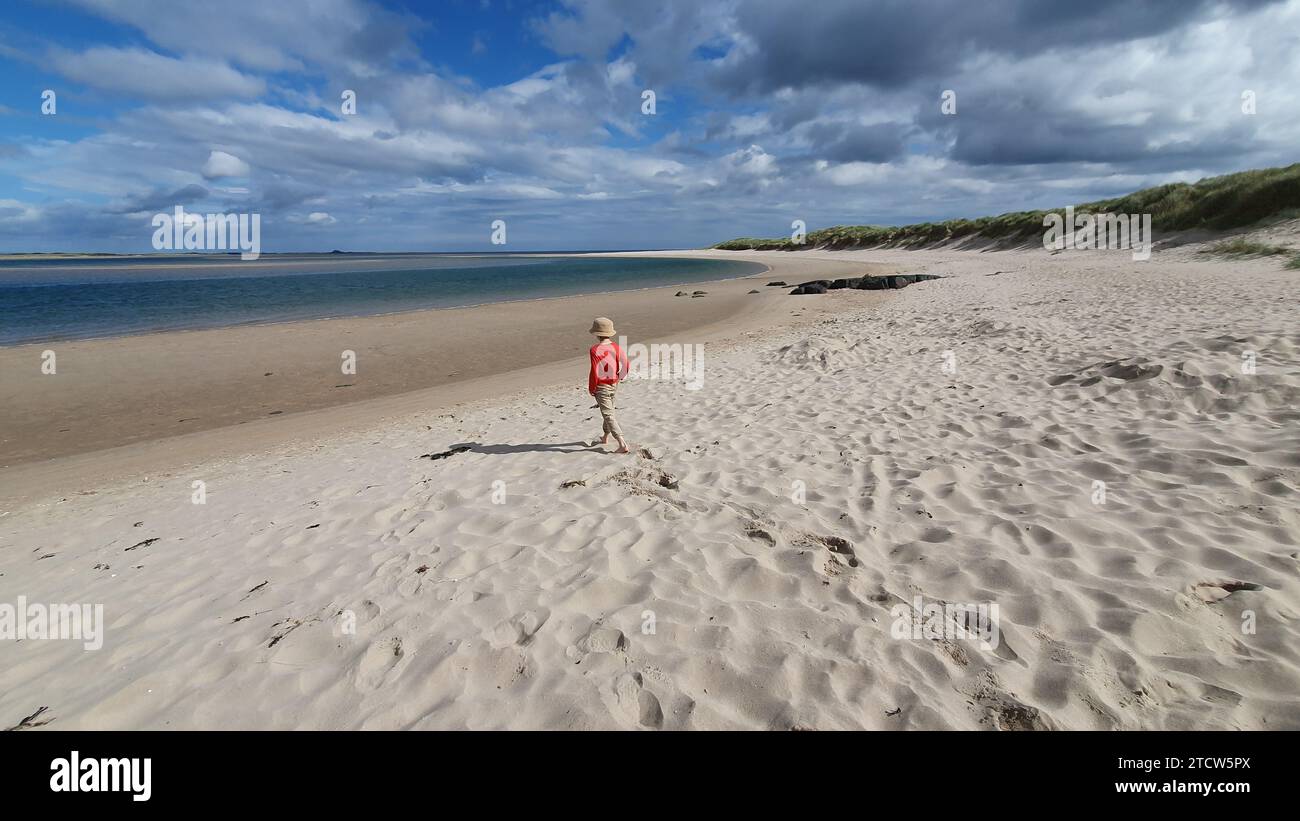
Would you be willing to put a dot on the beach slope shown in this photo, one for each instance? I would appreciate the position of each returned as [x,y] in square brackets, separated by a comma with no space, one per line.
[1074,438]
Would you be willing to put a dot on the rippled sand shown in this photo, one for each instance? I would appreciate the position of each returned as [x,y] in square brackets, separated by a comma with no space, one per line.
[1069,437]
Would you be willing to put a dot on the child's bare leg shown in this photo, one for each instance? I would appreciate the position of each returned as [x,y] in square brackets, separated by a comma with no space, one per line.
[618,437]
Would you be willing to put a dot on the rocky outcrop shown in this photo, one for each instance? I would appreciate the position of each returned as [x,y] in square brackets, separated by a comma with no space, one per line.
[869,283]
[810,288]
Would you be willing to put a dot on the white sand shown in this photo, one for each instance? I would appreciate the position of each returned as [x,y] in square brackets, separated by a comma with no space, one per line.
[968,487]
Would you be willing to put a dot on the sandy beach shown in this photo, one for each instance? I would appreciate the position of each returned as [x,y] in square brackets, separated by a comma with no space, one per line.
[1073,437]
[158,390]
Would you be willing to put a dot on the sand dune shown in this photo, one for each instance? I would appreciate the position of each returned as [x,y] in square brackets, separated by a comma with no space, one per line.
[741,569]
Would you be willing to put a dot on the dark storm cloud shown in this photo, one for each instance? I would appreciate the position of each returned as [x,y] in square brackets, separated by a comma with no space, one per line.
[1032,131]
[278,195]
[855,143]
[160,200]
[51,228]
[801,109]
[895,43]
[769,111]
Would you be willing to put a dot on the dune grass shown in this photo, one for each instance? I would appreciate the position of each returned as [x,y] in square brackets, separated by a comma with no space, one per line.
[1245,248]
[1213,204]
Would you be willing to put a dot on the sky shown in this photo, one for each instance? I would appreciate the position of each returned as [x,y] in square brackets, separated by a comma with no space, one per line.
[537,114]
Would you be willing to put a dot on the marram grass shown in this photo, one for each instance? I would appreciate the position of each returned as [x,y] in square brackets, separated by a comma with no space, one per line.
[1212,204]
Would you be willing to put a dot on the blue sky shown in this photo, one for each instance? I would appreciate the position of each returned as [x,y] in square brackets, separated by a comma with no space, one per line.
[468,111]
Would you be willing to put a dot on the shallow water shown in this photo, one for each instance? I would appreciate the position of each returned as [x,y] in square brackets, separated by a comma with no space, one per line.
[52,299]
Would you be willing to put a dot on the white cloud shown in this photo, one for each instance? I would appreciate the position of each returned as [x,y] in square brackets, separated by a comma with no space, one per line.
[153,76]
[220,164]
[855,173]
[752,162]
[560,144]
[314,218]
[268,36]
[13,211]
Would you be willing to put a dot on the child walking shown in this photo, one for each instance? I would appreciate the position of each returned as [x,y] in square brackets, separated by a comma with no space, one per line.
[608,366]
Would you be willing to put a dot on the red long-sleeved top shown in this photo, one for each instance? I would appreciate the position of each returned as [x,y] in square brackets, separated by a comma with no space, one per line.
[608,365]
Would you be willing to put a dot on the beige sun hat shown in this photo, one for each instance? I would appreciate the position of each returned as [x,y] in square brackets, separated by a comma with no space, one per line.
[602,326]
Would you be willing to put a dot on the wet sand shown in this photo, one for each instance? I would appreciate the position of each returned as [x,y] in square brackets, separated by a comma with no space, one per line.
[761,560]
[156,391]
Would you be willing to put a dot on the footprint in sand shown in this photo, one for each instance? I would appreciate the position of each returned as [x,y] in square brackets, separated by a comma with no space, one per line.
[378,662]
[1001,709]
[638,705]
[605,640]
[518,630]
[835,545]
[1132,373]
[759,534]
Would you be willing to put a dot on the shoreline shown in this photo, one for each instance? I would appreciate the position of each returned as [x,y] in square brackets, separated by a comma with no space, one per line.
[39,255]
[381,265]
[767,269]
[145,403]
[945,441]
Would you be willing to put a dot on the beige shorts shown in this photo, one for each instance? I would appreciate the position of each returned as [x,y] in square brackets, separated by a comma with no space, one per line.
[605,400]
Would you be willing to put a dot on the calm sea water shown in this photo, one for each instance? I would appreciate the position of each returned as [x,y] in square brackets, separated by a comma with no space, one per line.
[53,299]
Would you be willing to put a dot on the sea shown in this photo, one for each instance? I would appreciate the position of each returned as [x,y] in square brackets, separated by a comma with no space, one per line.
[61,298]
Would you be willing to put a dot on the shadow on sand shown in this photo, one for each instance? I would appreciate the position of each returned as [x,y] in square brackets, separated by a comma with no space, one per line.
[537,447]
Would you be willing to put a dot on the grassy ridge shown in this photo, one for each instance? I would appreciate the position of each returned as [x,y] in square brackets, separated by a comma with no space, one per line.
[1214,203]
[1245,248]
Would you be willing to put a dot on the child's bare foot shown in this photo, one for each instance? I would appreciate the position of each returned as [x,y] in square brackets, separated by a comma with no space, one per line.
[604,440]
[622,447]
